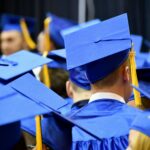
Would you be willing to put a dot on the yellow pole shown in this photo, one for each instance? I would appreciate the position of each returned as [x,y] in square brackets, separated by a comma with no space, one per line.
[137,96]
[26,34]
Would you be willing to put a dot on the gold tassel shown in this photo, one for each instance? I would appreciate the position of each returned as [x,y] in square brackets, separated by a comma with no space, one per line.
[137,96]
[38,133]
[47,41]
[26,34]
[47,47]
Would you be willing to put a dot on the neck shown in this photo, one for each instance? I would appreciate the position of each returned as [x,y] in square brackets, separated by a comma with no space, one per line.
[113,89]
[81,96]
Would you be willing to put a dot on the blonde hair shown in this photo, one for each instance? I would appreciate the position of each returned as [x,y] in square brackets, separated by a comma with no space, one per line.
[141,142]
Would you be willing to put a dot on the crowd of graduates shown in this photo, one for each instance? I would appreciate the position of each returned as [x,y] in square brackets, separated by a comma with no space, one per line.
[76,87]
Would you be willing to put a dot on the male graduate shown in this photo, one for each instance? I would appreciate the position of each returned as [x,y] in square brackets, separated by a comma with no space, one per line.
[103,49]
[15,35]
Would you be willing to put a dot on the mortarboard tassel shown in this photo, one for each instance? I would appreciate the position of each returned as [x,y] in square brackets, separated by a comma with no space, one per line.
[26,34]
[38,133]
[47,48]
[46,80]
[134,78]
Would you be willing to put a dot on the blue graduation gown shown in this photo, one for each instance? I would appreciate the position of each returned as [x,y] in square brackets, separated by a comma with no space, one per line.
[55,134]
[108,119]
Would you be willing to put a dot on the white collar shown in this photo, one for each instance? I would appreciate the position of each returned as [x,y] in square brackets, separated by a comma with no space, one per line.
[106,95]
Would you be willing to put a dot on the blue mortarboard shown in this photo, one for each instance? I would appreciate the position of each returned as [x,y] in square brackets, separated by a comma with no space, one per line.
[145,86]
[76,75]
[20,101]
[59,59]
[79,26]
[101,48]
[142,123]
[137,41]
[140,59]
[57,24]
[144,91]
[12,22]
[19,63]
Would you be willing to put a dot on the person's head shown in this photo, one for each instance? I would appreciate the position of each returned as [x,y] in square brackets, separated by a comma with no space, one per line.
[117,81]
[41,43]
[11,42]
[56,25]
[58,79]
[78,87]
[15,34]
[139,138]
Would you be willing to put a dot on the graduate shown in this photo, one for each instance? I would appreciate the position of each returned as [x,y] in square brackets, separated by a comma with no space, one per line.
[103,49]
[16,34]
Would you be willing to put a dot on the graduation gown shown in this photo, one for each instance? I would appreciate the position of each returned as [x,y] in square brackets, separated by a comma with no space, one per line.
[108,119]
[54,133]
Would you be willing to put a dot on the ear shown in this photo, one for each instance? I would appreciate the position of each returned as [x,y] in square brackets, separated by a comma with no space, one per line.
[126,74]
[69,89]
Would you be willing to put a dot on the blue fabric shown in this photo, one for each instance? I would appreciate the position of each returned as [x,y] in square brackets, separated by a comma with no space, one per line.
[79,26]
[57,24]
[18,64]
[51,131]
[142,123]
[108,119]
[59,59]
[108,65]
[143,91]
[12,22]
[137,42]
[143,85]
[78,77]
[10,135]
[97,41]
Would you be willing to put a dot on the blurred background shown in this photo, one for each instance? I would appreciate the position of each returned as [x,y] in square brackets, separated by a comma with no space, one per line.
[84,10]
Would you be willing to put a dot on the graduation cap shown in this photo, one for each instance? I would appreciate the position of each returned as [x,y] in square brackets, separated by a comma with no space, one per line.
[145,86]
[104,45]
[19,63]
[25,25]
[16,100]
[57,24]
[79,26]
[137,41]
[143,91]
[142,123]
[24,98]
[77,75]
[59,59]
